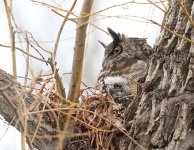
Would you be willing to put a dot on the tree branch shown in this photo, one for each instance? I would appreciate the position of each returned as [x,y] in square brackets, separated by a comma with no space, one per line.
[12,99]
[79,51]
[12,38]
[78,60]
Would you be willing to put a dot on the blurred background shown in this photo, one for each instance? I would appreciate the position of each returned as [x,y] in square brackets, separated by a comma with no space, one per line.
[36,17]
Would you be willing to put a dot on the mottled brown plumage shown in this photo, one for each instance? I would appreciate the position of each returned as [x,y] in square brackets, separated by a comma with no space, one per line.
[125,58]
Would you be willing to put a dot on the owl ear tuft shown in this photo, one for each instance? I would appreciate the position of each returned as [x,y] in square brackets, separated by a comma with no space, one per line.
[104,45]
[115,36]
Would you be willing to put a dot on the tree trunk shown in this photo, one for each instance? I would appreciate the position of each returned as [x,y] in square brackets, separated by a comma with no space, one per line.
[162,116]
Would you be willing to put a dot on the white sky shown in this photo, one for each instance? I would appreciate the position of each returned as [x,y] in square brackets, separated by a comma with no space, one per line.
[44,25]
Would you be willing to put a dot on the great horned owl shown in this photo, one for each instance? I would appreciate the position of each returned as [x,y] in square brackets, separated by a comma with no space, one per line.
[125,63]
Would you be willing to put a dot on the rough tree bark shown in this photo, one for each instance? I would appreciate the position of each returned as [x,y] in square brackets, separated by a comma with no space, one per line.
[10,93]
[162,116]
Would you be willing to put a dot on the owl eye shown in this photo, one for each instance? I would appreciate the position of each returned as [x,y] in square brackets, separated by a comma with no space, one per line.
[117,51]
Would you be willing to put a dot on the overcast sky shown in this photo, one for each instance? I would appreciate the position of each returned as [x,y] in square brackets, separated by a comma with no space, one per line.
[44,26]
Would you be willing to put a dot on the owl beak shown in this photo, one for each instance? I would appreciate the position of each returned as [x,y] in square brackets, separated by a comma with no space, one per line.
[114,35]
[102,44]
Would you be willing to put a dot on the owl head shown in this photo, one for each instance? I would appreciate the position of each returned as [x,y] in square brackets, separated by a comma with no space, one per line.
[113,49]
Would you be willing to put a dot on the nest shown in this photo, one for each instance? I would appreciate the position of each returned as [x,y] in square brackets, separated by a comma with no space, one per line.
[100,116]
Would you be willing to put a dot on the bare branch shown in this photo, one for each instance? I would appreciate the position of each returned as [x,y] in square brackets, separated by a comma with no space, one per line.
[12,38]
[79,51]
[75,82]
[186,12]
[25,53]
[61,28]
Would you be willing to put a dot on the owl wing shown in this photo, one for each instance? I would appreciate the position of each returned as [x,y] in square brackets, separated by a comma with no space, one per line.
[138,70]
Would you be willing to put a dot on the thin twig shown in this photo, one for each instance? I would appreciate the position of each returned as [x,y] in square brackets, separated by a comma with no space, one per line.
[54,8]
[12,38]
[43,60]
[156,5]
[61,28]
[59,83]
[173,32]
[186,12]
[27,60]
[162,2]
[73,20]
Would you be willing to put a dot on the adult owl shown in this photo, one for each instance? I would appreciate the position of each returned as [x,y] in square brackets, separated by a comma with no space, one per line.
[124,64]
